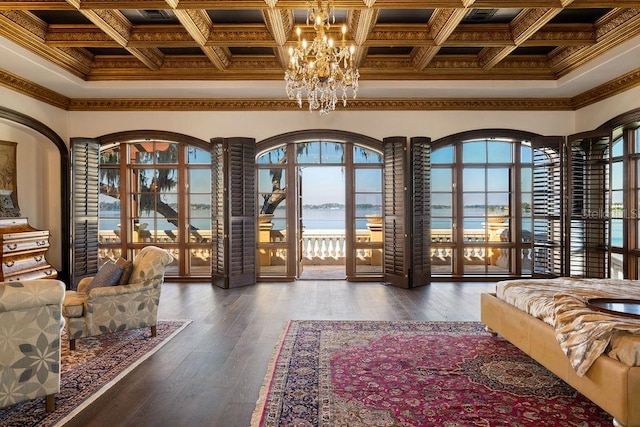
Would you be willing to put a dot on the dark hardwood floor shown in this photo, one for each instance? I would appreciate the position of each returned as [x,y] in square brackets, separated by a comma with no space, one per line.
[210,374]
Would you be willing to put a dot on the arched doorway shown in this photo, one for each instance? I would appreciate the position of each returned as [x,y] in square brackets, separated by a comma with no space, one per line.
[482,204]
[320,207]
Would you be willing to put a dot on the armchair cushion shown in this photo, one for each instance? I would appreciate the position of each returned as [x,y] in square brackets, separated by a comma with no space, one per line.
[127,269]
[73,304]
[30,339]
[108,275]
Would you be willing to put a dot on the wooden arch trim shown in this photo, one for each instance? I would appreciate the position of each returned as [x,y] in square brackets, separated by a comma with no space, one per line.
[483,133]
[153,134]
[310,134]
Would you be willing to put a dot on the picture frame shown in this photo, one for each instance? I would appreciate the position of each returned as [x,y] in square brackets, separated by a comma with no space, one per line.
[8,177]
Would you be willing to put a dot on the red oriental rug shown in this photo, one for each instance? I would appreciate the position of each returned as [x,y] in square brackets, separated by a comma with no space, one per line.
[85,374]
[412,373]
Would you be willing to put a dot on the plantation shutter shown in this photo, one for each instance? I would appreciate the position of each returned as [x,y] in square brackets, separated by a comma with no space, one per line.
[421,203]
[588,188]
[233,212]
[85,184]
[548,222]
[397,251]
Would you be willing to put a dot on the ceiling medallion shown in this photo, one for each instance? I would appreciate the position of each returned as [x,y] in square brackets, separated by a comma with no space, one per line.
[320,71]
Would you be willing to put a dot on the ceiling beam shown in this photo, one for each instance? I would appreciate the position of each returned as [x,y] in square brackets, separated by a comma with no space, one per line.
[118,27]
[279,23]
[441,24]
[523,27]
[29,31]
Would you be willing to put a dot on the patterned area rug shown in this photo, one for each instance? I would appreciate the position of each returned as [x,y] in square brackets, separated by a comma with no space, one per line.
[97,364]
[361,373]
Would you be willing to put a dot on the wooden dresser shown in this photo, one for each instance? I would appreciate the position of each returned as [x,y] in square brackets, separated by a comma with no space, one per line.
[23,251]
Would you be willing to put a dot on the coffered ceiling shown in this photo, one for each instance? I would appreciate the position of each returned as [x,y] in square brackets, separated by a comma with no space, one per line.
[411,45]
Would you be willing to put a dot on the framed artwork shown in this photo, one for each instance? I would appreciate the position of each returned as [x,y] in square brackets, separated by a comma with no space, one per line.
[8,179]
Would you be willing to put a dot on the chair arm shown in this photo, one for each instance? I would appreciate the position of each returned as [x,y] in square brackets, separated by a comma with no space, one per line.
[83,283]
[30,293]
[108,291]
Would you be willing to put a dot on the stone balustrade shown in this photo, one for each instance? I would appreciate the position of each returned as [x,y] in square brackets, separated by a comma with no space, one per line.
[319,246]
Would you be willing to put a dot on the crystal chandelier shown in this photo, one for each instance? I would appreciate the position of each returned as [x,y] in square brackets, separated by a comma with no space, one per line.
[321,71]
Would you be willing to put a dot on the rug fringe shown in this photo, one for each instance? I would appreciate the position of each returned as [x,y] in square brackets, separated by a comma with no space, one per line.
[256,417]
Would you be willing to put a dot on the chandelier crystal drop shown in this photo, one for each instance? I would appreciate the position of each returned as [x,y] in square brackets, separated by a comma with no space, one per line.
[320,71]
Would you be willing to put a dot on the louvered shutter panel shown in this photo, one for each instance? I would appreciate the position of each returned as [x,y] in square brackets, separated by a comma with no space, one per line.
[588,185]
[85,183]
[234,212]
[548,218]
[421,198]
[396,242]
[218,196]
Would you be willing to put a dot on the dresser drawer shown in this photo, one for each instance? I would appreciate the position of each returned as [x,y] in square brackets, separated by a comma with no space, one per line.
[48,273]
[25,245]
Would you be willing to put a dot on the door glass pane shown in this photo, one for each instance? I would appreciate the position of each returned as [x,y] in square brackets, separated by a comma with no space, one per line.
[499,152]
[526,179]
[499,260]
[166,153]
[475,260]
[200,261]
[616,175]
[332,152]
[368,261]
[368,180]
[273,262]
[110,156]
[308,152]
[617,148]
[474,205]
[442,155]
[365,155]
[441,204]
[196,156]
[474,152]
[441,260]
[473,179]
[441,179]
[141,153]
[617,236]
[527,262]
[368,204]
[274,156]
[617,267]
[498,204]
[442,230]
[498,179]
[525,154]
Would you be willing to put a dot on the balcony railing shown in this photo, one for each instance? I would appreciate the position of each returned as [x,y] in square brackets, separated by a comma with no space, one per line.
[318,246]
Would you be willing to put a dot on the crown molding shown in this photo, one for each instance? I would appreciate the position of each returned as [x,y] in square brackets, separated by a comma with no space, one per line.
[33,90]
[40,93]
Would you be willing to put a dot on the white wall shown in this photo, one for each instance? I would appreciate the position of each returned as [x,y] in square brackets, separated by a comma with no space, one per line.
[376,124]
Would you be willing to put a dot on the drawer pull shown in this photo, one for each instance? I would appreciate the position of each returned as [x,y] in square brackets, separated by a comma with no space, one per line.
[48,272]
[9,263]
[12,247]
[38,258]
[42,243]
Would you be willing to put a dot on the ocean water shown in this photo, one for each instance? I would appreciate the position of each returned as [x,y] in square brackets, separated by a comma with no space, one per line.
[330,219]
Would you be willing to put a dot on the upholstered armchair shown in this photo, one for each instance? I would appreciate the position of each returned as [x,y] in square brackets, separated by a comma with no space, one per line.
[30,327]
[90,311]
